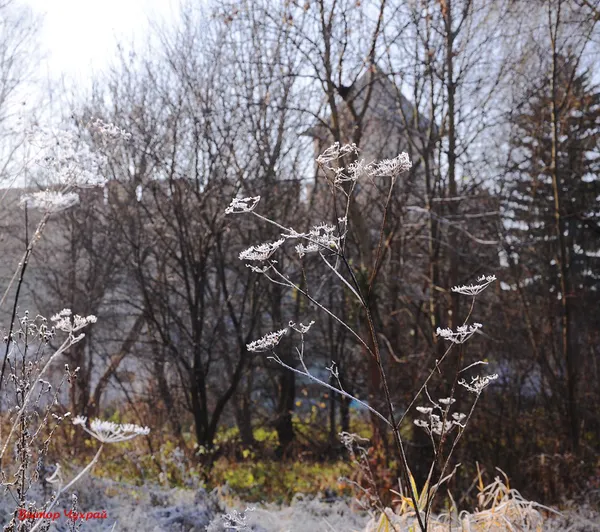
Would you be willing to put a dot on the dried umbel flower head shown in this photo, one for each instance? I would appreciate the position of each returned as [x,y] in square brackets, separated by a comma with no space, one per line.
[462,334]
[439,424]
[109,432]
[435,425]
[475,289]
[67,161]
[392,167]
[241,205]
[359,168]
[65,321]
[335,152]
[261,251]
[320,237]
[267,342]
[50,201]
[478,384]
[108,130]
[300,327]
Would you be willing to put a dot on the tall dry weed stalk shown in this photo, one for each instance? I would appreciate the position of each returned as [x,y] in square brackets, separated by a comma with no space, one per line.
[30,386]
[327,242]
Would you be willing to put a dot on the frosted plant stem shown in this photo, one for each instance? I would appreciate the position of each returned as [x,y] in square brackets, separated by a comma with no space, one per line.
[62,490]
[66,344]
[437,364]
[334,270]
[21,272]
[324,309]
[330,387]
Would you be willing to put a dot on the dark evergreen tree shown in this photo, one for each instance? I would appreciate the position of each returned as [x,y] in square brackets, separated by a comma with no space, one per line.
[530,198]
[537,207]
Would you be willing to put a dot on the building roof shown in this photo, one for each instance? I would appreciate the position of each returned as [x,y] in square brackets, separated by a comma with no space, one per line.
[386,105]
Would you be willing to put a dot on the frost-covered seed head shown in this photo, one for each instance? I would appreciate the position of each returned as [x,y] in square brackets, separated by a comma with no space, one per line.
[108,129]
[462,334]
[447,401]
[67,161]
[267,342]
[299,327]
[49,201]
[109,432]
[319,237]
[240,205]
[64,321]
[392,167]
[478,384]
[261,251]
[336,152]
[475,289]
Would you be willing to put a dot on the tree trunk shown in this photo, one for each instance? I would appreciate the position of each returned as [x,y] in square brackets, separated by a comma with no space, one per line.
[285,408]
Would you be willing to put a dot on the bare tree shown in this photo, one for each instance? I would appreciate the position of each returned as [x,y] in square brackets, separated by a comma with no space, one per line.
[18,30]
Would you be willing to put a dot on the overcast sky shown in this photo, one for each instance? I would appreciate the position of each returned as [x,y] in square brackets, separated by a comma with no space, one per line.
[79,37]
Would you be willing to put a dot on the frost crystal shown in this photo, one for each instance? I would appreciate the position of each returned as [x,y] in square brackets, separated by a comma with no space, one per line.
[56,477]
[299,327]
[319,237]
[435,425]
[68,161]
[50,201]
[462,334]
[475,289]
[392,167]
[237,520]
[240,205]
[478,384]
[108,129]
[109,432]
[262,251]
[64,321]
[267,342]
[335,152]
[447,401]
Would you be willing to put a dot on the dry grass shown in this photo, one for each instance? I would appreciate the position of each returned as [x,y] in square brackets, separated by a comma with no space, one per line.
[500,509]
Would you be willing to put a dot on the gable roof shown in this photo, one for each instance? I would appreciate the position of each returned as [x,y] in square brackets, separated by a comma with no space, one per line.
[386,105]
